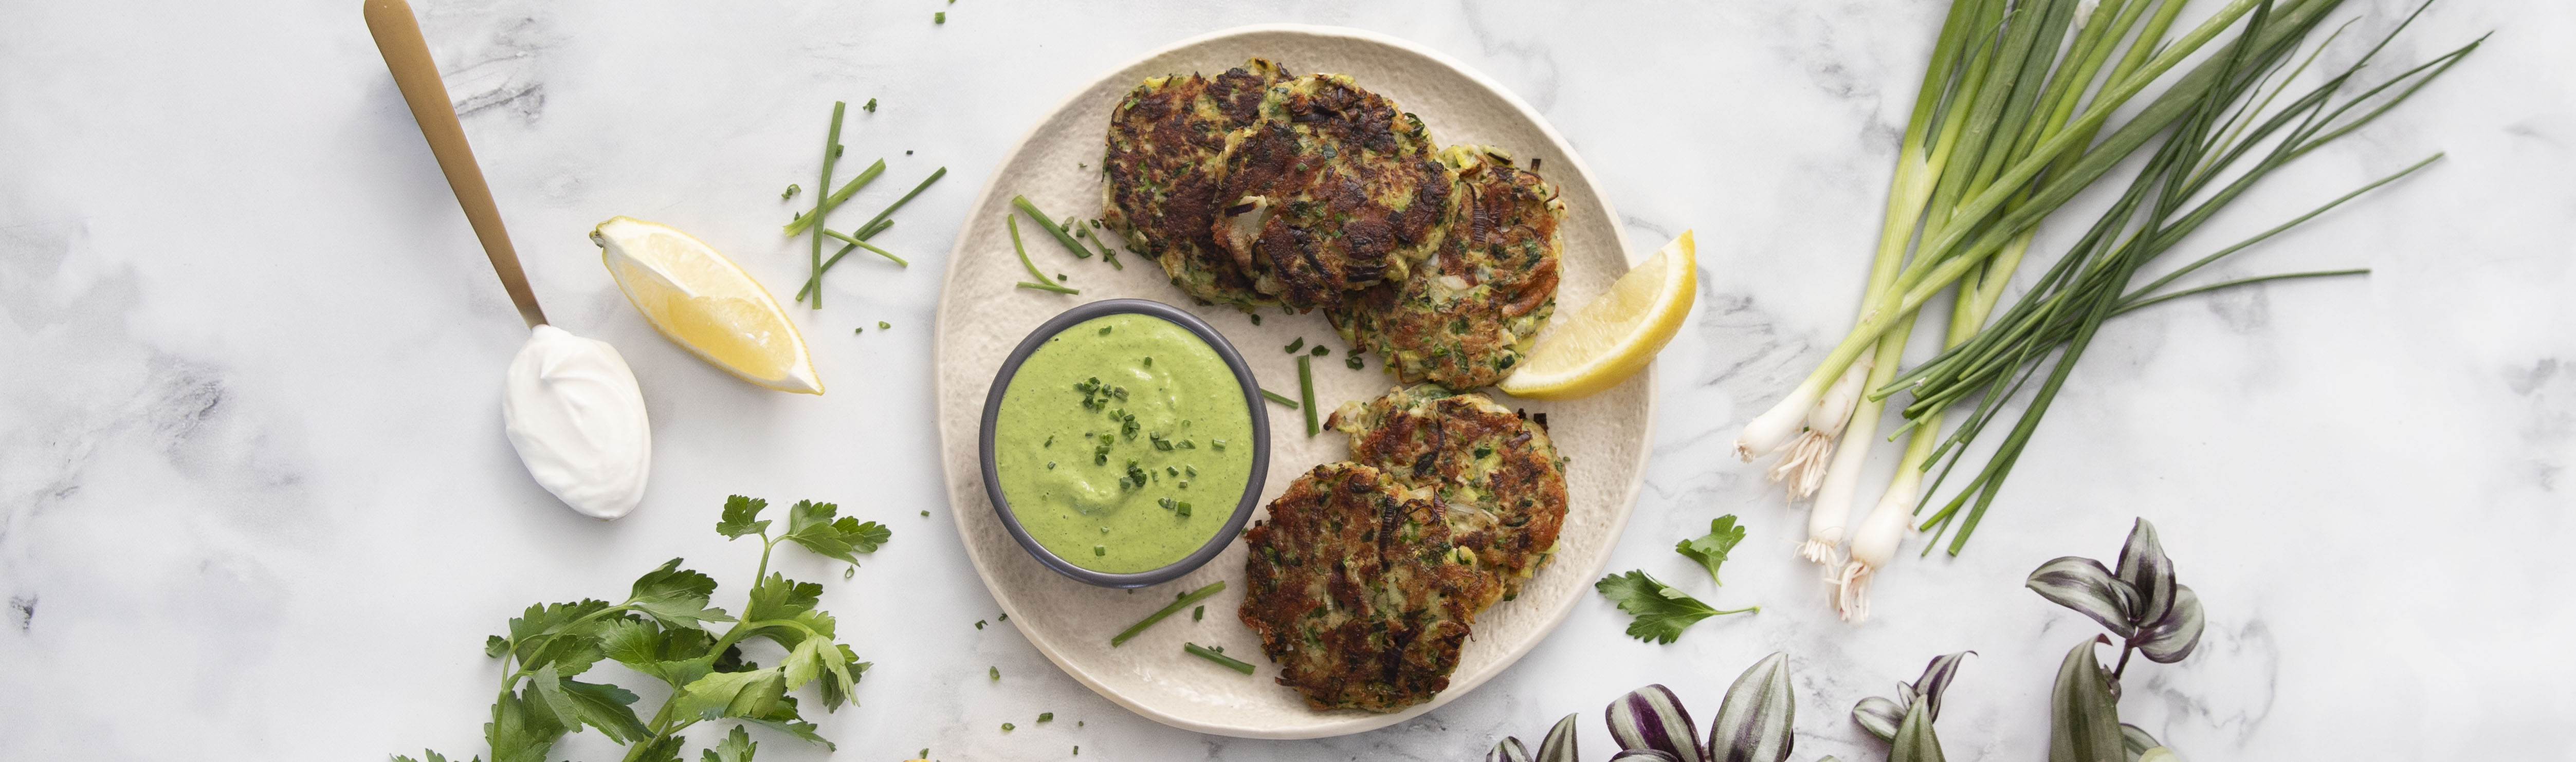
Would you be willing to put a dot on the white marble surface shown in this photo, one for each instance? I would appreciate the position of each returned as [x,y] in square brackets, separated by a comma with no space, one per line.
[255,502]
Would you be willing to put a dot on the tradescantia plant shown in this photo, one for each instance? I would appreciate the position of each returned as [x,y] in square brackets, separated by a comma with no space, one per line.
[1752,725]
[2140,602]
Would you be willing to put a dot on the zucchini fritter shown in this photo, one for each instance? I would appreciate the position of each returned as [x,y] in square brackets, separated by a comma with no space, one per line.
[1494,475]
[1467,315]
[1333,189]
[1357,592]
[1164,140]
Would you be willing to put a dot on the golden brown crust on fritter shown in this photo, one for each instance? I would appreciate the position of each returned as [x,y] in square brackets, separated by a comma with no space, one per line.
[1356,591]
[1468,314]
[1495,475]
[1334,189]
[1164,141]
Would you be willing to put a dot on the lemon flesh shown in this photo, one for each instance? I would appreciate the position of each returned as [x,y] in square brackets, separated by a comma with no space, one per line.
[706,304]
[1615,335]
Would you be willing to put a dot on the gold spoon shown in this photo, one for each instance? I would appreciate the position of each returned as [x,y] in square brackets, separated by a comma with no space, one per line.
[570,405]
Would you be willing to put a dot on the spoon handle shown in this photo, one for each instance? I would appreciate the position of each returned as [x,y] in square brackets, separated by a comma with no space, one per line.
[398,37]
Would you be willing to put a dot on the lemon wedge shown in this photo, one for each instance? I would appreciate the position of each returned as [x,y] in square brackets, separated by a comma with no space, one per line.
[1613,337]
[705,303]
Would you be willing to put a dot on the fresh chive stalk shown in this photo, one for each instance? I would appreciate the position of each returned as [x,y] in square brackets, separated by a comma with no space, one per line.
[834,200]
[1044,221]
[1222,660]
[861,243]
[1042,284]
[1279,398]
[875,225]
[1185,601]
[831,153]
[1306,391]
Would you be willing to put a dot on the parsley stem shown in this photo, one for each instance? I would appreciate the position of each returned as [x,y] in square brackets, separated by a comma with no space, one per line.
[1184,602]
[1223,660]
[834,199]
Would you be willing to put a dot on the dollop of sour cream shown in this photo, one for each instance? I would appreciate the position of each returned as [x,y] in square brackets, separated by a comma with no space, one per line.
[573,411]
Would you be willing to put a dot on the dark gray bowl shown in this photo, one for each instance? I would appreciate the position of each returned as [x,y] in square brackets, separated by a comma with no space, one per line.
[1251,401]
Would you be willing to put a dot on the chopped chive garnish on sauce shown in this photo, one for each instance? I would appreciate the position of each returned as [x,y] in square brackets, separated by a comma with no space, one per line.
[1185,601]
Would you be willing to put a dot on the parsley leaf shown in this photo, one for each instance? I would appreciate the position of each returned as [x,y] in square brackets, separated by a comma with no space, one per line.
[811,524]
[736,747]
[754,693]
[781,598]
[783,719]
[520,732]
[1710,551]
[1661,611]
[677,597]
[738,514]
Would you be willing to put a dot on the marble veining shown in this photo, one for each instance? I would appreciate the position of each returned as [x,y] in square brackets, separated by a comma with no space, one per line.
[255,502]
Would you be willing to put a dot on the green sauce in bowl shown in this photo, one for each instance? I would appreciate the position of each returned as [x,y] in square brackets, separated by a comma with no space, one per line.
[1123,443]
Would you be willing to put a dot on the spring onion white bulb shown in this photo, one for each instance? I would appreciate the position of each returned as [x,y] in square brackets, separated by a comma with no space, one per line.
[1768,432]
[1803,467]
[1875,545]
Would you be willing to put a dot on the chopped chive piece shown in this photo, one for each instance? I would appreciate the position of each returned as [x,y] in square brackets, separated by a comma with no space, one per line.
[1274,397]
[883,325]
[1219,444]
[1077,751]
[1321,351]
[833,201]
[1022,203]
[1184,510]
[1023,251]
[854,241]
[1104,330]
[831,152]
[1198,614]
[979,624]
[1100,550]
[1046,716]
[1149,362]
[871,107]
[1293,346]
[925,513]
[941,17]
[1006,727]
[877,224]
[1004,618]
[1355,363]
[1191,597]
[1256,318]
[925,753]
[861,331]
[1221,659]
[1306,391]
[995,672]
[791,192]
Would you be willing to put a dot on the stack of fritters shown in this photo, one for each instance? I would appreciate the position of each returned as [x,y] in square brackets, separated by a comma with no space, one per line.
[1257,187]
[1367,575]
[1468,314]
[1164,142]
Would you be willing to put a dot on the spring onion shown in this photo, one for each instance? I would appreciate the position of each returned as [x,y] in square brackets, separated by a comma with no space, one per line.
[1185,601]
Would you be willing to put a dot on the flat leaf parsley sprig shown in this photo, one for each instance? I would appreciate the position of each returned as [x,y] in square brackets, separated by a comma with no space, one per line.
[661,630]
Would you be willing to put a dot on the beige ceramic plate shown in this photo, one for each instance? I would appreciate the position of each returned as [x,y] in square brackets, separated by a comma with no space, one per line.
[981,316]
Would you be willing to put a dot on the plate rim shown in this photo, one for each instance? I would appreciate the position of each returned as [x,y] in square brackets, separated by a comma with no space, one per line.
[1624,506]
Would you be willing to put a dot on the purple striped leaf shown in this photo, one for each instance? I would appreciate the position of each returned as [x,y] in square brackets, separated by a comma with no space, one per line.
[1881,716]
[1653,718]
[2083,716]
[1508,750]
[1914,740]
[1558,746]
[2173,637]
[1755,722]
[1936,680]
[1644,755]
[2083,585]
[2135,741]
[2144,566]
